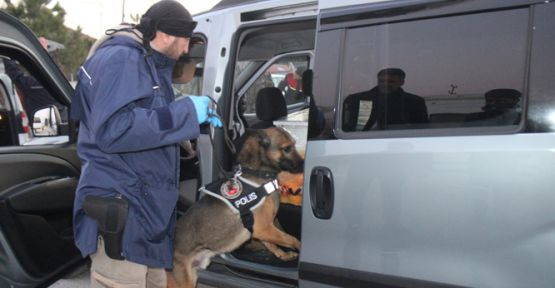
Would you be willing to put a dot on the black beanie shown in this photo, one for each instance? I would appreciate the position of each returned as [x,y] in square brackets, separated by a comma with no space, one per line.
[168,16]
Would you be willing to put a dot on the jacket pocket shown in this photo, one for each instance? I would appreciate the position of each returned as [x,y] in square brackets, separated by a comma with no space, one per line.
[157,205]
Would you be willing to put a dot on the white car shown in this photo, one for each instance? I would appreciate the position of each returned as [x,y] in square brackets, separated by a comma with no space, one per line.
[38,124]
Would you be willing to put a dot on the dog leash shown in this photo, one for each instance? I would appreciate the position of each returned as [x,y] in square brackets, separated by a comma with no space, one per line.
[229,143]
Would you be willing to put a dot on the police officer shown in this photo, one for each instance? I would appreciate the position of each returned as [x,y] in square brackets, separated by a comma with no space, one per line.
[130,124]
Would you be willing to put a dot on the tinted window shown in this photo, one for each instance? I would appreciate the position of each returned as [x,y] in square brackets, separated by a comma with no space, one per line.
[460,71]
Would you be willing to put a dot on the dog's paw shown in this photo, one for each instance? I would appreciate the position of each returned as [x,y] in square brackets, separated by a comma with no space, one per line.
[287,256]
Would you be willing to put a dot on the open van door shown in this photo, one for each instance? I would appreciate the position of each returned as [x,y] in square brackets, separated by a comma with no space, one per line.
[37,183]
[251,47]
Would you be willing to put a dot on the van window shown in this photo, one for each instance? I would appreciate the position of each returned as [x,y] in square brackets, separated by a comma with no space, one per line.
[460,71]
[270,61]
[285,74]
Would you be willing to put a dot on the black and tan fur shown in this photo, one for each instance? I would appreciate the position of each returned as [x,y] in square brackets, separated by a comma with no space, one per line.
[210,227]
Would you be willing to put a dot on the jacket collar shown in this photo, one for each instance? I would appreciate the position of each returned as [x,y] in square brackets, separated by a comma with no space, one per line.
[162,61]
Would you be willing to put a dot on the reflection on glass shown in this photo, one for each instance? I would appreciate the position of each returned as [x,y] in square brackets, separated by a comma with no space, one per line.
[46,122]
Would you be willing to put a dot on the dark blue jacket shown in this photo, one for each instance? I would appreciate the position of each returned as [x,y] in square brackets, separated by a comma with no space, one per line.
[129,126]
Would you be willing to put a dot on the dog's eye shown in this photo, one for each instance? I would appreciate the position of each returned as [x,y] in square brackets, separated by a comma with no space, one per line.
[287,149]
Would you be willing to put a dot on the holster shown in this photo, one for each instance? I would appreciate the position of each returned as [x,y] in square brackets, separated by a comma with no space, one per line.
[111,215]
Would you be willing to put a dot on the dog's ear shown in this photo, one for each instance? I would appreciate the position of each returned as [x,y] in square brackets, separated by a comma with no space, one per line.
[259,134]
[251,148]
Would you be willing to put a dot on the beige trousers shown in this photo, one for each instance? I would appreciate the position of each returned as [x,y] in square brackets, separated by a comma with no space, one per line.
[107,272]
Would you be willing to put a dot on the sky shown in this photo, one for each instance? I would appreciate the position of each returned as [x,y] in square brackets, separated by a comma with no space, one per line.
[95,16]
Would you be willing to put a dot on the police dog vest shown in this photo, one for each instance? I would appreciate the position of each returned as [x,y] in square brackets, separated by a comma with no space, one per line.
[241,195]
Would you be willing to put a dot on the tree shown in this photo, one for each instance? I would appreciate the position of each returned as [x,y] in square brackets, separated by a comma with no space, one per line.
[49,23]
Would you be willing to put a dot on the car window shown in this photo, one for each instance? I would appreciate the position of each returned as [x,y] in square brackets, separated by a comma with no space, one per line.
[461,71]
[29,99]
[266,57]
[285,74]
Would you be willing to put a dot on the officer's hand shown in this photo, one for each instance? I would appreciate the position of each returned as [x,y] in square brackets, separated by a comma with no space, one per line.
[213,118]
[204,112]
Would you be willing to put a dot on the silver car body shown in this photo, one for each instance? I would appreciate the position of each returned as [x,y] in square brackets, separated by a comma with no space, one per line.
[434,208]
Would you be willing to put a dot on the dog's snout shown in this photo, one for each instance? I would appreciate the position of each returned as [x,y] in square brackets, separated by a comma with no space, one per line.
[292,164]
[298,169]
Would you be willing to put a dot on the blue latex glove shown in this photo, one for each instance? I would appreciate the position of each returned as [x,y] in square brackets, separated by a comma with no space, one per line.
[204,113]
[201,107]
[213,118]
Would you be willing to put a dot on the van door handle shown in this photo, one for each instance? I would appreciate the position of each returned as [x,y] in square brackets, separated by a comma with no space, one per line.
[321,192]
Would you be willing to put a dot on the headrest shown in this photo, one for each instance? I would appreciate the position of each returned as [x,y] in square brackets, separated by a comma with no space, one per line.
[270,104]
[503,93]
[307,82]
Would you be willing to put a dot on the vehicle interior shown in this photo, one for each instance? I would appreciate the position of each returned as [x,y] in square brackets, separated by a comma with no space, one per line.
[267,92]
[265,57]
[260,98]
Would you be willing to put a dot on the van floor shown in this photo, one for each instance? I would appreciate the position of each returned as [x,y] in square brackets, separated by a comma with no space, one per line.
[262,256]
[289,216]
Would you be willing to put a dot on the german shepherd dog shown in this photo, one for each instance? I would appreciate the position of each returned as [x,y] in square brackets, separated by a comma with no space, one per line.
[210,227]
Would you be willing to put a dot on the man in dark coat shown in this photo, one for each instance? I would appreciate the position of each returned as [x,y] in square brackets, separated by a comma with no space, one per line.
[391,105]
[130,127]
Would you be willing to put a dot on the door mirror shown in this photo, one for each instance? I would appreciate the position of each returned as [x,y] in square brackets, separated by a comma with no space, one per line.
[46,121]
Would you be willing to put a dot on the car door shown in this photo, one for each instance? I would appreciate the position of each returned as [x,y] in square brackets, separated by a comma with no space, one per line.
[451,202]
[37,181]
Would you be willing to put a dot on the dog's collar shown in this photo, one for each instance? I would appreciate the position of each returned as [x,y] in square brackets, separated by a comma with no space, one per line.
[259,173]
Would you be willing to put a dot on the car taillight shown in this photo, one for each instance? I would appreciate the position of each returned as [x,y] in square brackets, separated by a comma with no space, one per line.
[25,122]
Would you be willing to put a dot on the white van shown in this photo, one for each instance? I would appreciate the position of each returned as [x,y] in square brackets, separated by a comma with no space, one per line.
[428,143]
[458,196]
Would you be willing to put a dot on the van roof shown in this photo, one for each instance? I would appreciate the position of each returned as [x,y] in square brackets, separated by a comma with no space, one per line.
[236,5]
[327,4]
[230,3]
[323,4]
